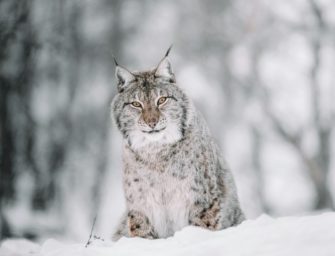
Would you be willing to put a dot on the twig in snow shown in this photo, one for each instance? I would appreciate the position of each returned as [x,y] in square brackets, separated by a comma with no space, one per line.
[89,239]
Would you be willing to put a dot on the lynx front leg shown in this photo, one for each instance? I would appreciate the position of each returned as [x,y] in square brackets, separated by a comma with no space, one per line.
[139,225]
[206,216]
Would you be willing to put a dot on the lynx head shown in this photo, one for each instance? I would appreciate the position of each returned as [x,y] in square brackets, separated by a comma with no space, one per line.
[150,107]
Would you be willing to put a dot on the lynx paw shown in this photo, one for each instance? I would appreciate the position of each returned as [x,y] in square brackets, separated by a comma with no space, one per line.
[208,217]
[140,226]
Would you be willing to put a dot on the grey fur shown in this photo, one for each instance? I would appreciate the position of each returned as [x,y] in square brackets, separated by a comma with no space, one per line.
[174,174]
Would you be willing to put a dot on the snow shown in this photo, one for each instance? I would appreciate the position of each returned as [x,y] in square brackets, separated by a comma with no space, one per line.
[307,235]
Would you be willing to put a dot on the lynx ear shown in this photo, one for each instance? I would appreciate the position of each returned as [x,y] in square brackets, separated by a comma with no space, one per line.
[123,77]
[164,69]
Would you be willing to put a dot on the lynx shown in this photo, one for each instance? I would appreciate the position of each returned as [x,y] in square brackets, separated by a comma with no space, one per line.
[173,172]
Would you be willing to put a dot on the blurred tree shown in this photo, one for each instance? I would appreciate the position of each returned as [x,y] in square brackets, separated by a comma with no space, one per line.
[65,40]
[17,127]
[115,41]
[317,164]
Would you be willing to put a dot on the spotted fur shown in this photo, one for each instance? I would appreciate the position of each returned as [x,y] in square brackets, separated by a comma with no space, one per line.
[174,174]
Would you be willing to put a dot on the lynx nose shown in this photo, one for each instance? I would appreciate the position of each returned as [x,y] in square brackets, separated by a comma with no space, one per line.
[152,122]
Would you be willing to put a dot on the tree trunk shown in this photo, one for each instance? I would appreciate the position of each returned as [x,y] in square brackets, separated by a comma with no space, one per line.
[16,124]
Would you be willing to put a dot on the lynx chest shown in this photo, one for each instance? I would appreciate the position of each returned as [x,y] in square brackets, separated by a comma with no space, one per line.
[163,197]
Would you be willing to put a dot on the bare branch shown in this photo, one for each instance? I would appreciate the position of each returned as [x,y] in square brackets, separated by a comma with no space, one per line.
[89,239]
[318,14]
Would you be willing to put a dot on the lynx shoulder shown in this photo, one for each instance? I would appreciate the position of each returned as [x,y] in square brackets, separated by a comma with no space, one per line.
[173,174]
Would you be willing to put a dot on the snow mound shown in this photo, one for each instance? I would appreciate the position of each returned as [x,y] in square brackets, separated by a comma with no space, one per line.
[309,235]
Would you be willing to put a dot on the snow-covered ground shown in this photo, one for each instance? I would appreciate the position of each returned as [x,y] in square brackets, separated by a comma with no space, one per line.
[309,235]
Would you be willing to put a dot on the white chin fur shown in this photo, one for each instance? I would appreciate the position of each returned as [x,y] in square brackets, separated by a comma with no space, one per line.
[169,135]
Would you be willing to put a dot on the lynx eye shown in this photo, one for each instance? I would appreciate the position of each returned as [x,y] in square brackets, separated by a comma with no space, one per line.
[161,100]
[136,104]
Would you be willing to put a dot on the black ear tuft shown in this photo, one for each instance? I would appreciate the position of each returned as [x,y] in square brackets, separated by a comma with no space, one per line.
[164,69]
[115,62]
[168,51]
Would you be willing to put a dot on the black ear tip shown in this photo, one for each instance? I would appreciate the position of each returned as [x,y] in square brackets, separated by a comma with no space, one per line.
[115,62]
[168,51]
